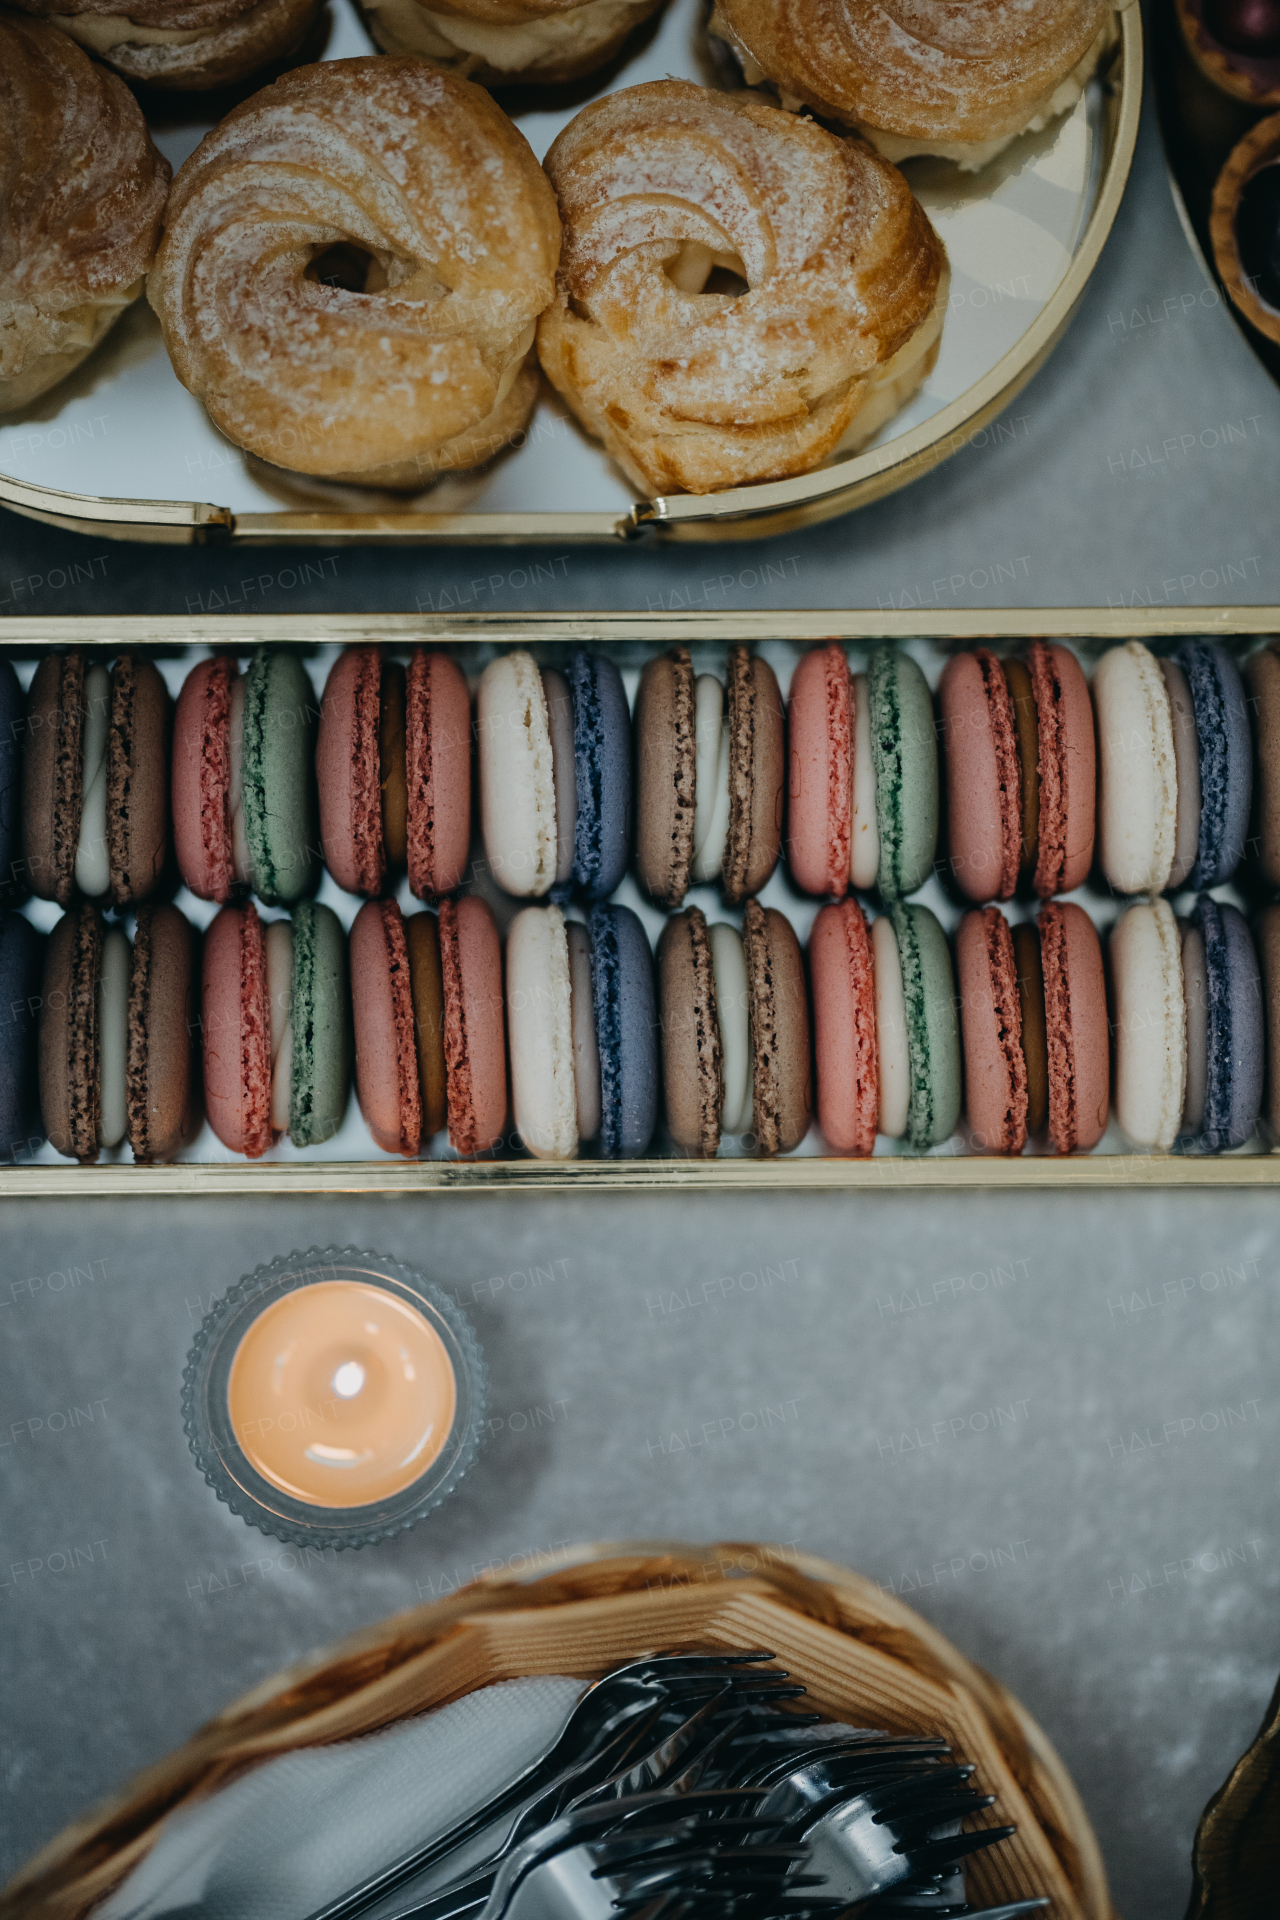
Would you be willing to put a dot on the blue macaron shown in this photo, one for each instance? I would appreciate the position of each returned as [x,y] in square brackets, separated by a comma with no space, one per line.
[13,712]
[21,961]
[626,1031]
[602,765]
[1226,759]
[1234,1060]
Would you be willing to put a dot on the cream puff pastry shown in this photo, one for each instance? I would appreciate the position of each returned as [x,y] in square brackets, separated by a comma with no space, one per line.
[82,193]
[958,81]
[508,42]
[353,264]
[189,45]
[738,289]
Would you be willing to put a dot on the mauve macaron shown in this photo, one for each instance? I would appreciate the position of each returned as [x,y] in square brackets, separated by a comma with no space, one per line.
[235,1024]
[984,779]
[692,1054]
[438,736]
[842,981]
[995,1067]
[1076,1027]
[360,769]
[1066,768]
[386,1054]
[474,1024]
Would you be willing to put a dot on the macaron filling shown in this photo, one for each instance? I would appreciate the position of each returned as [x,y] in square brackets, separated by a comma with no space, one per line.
[392,765]
[711,779]
[892,1050]
[113,1037]
[586,1047]
[733,1016]
[279,957]
[92,864]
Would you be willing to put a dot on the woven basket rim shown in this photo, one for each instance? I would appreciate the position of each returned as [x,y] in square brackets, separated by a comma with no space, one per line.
[76,1868]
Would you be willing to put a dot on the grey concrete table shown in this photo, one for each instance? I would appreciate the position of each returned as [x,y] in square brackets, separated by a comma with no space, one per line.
[1048,1423]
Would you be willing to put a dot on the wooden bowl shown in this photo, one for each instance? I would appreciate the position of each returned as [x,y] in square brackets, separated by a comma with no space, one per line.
[862,1654]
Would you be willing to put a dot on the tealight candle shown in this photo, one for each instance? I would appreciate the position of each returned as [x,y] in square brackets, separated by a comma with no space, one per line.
[334,1397]
[341,1394]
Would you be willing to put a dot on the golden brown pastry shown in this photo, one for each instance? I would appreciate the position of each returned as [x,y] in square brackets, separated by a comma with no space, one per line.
[189,45]
[353,264]
[672,197]
[508,42]
[82,193]
[956,78]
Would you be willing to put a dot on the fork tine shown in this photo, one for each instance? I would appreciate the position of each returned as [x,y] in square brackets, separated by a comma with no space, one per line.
[943,1853]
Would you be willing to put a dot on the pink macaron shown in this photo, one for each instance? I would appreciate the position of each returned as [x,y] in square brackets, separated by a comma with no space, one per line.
[842,980]
[438,737]
[235,1021]
[820,721]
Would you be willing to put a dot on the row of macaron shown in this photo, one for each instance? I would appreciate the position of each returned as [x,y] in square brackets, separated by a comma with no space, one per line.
[1153,767]
[576,1033]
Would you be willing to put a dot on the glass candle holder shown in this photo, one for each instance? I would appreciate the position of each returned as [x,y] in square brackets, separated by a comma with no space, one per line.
[334,1397]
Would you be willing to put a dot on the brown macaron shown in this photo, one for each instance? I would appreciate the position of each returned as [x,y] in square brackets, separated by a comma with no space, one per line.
[69,707]
[117,1035]
[667,775]
[782,1078]
[162,1070]
[692,1054]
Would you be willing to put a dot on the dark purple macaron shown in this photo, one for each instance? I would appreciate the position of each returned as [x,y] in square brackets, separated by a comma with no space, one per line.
[21,958]
[626,1031]
[1226,759]
[602,764]
[1226,1054]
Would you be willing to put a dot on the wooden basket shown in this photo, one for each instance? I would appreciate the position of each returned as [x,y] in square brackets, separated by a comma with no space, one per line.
[862,1654]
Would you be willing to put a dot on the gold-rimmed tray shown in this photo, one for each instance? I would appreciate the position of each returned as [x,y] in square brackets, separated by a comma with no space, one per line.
[120,447]
[352,1164]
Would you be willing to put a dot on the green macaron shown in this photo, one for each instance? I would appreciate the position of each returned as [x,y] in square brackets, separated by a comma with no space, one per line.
[933,1030]
[904,751]
[320,1014]
[278,772]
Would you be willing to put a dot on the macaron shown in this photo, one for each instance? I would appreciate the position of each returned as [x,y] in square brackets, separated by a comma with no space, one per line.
[1262,678]
[710,776]
[1019,748]
[244,780]
[474,1030]
[1149,1023]
[984,776]
[117,1032]
[361,773]
[386,1055]
[438,751]
[916,1028]
[995,1066]
[842,981]
[95,812]
[602,774]
[1035,1038]
[1137,771]
[13,726]
[540,1033]
[1186,766]
[1225,760]
[904,753]
[820,755]
[1226,1028]
[1267,941]
[21,965]
[692,1051]
[781,1044]
[527,852]
[275,1020]
[626,1021]
[1077,1052]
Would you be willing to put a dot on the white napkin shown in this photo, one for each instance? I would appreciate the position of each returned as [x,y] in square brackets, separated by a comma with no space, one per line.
[297,1831]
